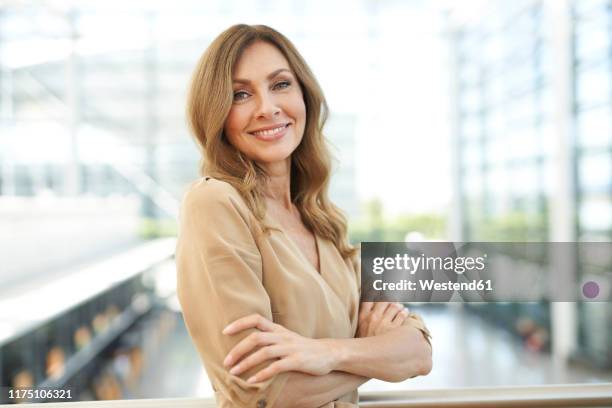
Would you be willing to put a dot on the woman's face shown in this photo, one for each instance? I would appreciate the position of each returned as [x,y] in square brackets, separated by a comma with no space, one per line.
[268,114]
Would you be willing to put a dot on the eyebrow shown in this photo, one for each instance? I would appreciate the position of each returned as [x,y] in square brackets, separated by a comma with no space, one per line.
[270,76]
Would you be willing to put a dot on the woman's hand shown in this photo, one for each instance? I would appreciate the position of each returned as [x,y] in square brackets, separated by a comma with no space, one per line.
[291,351]
[376,318]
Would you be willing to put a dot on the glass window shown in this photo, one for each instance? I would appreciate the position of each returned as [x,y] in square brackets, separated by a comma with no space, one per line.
[521,79]
[592,39]
[496,90]
[518,112]
[595,213]
[550,177]
[549,139]
[495,123]
[471,100]
[498,203]
[472,153]
[497,180]
[593,86]
[547,102]
[473,182]
[497,151]
[492,51]
[594,127]
[471,127]
[594,170]
[523,144]
[524,179]
[586,10]
[469,73]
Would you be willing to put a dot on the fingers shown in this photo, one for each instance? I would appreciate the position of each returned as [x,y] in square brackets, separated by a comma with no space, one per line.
[250,342]
[393,316]
[379,317]
[375,317]
[400,318]
[366,307]
[378,311]
[261,355]
[391,312]
[268,339]
[274,369]
[248,322]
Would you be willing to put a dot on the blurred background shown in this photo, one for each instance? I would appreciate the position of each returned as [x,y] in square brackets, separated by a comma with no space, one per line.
[457,121]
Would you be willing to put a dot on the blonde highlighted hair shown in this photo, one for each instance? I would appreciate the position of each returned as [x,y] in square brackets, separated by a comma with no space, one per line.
[208,106]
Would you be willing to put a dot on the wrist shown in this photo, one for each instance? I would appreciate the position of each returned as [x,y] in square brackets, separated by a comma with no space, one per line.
[338,352]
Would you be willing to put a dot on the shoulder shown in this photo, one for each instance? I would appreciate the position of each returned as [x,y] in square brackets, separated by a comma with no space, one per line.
[210,190]
[211,197]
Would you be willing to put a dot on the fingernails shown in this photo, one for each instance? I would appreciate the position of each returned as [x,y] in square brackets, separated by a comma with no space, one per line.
[252,380]
[228,361]
[227,329]
[234,370]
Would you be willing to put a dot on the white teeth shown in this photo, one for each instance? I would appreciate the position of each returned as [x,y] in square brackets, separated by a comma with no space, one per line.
[269,132]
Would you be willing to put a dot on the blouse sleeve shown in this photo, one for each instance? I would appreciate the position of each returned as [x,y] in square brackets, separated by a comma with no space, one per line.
[219,280]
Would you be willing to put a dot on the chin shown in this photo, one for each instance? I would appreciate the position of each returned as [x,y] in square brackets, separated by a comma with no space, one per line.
[274,154]
[272,158]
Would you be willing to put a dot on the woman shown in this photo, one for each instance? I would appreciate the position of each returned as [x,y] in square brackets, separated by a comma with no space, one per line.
[268,283]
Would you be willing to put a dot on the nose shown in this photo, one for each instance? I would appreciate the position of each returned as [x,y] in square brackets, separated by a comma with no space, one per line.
[267,106]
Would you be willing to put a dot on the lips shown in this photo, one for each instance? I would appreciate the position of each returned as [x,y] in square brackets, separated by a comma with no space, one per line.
[271,133]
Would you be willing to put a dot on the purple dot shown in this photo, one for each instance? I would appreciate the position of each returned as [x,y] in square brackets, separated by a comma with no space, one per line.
[590,289]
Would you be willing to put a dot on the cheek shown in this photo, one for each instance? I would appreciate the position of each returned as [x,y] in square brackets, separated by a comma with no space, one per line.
[302,109]
[231,123]
[234,125]
[298,110]
[302,119]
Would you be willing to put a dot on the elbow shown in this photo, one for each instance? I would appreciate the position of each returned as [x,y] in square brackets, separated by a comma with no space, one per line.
[422,362]
[425,365]
[418,363]
[414,368]
[395,377]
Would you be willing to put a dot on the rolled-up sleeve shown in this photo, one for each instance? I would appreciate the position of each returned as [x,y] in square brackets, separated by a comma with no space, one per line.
[219,274]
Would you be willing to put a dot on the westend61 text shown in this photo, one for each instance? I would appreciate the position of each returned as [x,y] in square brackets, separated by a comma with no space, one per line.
[405,285]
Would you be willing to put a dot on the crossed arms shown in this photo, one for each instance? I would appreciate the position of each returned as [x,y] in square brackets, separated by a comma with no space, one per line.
[388,348]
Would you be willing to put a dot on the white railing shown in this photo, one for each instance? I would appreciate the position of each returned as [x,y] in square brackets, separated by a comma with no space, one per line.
[561,395]
[568,395]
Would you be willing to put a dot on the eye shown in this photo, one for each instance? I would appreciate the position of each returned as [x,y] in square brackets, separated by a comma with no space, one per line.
[282,85]
[240,95]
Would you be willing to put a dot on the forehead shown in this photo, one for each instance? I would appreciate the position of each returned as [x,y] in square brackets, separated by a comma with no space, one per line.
[258,60]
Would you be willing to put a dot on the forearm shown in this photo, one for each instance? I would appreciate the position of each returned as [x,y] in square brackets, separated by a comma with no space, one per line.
[304,390]
[394,356]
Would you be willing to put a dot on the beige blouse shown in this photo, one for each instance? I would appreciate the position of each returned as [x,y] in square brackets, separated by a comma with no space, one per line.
[227,269]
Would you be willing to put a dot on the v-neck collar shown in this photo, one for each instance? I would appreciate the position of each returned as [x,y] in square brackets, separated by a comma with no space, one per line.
[318,248]
[325,274]
[272,223]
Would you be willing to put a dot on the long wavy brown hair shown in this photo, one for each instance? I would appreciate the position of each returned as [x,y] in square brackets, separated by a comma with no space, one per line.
[208,106]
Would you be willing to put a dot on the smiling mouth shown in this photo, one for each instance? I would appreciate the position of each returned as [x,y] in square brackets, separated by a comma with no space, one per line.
[270,132]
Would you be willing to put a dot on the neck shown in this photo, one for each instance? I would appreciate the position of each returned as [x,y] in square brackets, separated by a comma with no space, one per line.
[278,188]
